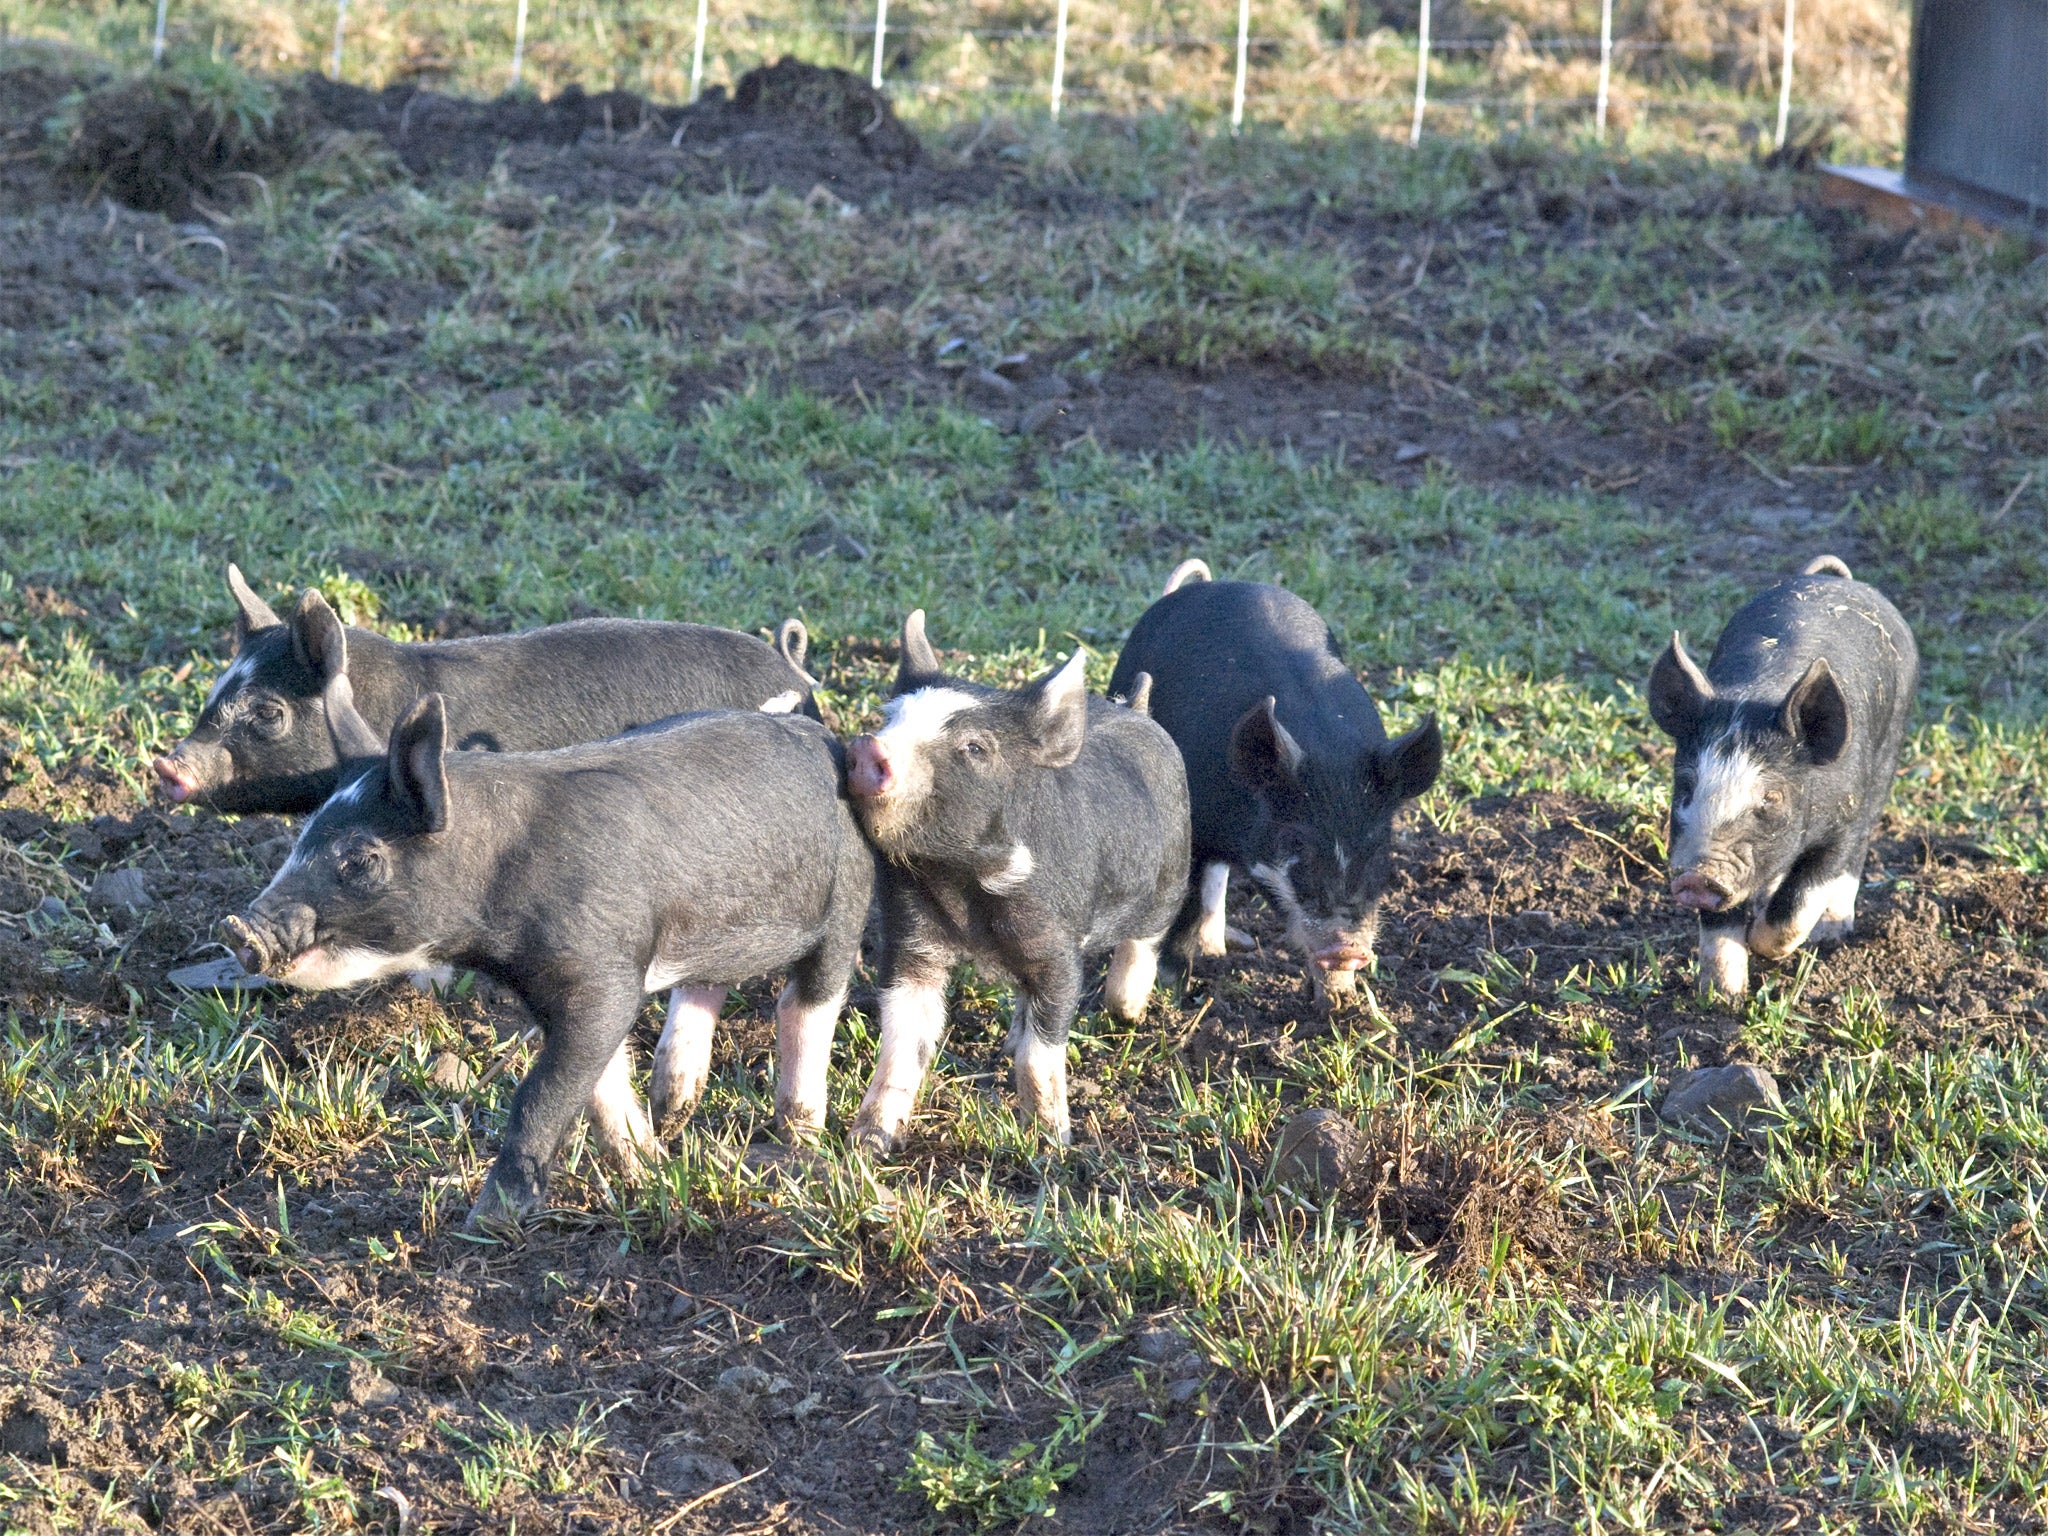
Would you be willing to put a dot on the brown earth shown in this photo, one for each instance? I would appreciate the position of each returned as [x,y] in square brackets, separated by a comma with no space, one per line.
[114,1294]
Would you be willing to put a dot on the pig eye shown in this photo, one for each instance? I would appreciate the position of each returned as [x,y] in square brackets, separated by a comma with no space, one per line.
[359,864]
[267,717]
[974,749]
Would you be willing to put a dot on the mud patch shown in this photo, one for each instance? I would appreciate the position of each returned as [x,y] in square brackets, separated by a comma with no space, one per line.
[174,143]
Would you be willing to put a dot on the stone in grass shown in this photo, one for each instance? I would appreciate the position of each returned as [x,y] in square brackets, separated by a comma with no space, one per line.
[223,975]
[121,888]
[1721,1100]
[369,1387]
[450,1073]
[1317,1152]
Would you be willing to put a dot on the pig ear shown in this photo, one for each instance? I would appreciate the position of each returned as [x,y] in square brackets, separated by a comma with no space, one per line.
[419,779]
[353,738]
[1408,765]
[251,612]
[918,658]
[318,639]
[1816,713]
[1262,753]
[1679,690]
[1061,712]
[1140,701]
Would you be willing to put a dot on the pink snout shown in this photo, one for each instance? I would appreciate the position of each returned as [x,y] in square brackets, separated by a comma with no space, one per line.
[1694,890]
[868,771]
[175,780]
[1343,957]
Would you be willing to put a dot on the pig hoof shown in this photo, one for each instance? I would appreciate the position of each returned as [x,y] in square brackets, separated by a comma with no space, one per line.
[1832,930]
[873,1138]
[1238,941]
[500,1210]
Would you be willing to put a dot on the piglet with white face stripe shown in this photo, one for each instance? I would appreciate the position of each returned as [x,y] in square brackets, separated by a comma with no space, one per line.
[1026,829]
[1786,748]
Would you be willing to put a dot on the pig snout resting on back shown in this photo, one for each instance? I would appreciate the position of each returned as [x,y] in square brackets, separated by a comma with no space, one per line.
[1786,747]
[262,741]
[1025,829]
[719,849]
[1291,777]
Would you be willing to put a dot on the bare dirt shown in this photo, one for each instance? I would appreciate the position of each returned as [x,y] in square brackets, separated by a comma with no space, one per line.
[725,1361]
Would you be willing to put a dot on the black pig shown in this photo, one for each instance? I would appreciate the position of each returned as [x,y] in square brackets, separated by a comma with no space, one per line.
[262,741]
[1786,748]
[718,849]
[1291,777]
[1026,829]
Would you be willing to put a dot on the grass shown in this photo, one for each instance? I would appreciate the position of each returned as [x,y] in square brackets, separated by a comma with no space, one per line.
[1543,1310]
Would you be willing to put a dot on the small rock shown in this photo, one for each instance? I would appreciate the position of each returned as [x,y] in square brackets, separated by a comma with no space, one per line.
[1156,1346]
[1316,1152]
[52,910]
[1183,1388]
[223,975]
[1723,1099]
[751,1381]
[121,888]
[989,387]
[1041,417]
[1536,920]
[450,1073]
[682,1473]
[369,1387]
[1408,453]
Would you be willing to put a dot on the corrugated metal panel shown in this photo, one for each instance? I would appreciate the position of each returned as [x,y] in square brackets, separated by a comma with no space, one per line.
[1979,110]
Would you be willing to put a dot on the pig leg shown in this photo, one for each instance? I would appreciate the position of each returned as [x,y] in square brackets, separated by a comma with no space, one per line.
[1133,967]
[803,1052]
[585,1030]
[617,1122]
[1838,909]
[1815,889]
[1724,959]
[1047,1005]
[1213,937]
[913,1018]
[682,1058]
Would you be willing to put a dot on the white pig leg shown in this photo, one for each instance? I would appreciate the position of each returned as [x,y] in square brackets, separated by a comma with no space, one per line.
[1133,967]
[913,1018]
[1213,937]
[682,1059]
[803,1051]
[618,1124]
[1811,904]
[1838,908]
[1724,963]
[1041,1077]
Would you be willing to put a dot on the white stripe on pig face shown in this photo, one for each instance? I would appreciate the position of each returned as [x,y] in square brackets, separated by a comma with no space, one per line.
[1729,786]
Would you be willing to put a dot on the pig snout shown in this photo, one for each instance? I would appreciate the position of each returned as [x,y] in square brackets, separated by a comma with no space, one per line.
[868,770]
[1344,957]
[175,779]
[1694,890]
[266,942]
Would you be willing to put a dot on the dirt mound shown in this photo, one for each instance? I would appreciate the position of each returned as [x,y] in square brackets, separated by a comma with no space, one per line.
[170,141]
[786,124]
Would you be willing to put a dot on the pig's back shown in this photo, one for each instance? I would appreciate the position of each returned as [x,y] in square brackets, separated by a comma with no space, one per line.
[1774,637]
[594,678]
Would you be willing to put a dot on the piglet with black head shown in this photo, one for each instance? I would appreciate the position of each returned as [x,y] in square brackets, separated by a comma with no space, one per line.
[1291,778]
[715,850]
[263,743]
[1786,748]
[1027,829]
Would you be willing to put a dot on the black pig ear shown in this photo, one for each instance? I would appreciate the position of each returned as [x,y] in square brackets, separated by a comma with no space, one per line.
[1262,753]
[318,639]
[419,778]
[1816,713]
[1060,712]
[353,737]
[918,659]
[1679,690]
[1408,765]
[251,612]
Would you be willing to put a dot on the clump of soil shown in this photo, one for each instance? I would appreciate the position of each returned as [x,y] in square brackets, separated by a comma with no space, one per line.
[173,140]
[836,100]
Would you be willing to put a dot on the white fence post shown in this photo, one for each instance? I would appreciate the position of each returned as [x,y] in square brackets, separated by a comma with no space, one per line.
[1059,60]
[518,42]
[1421,77]
[156,49]
[1606,66]
[1785,78]
[1244,29]
[340,26]
[697,51]
[881,38]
